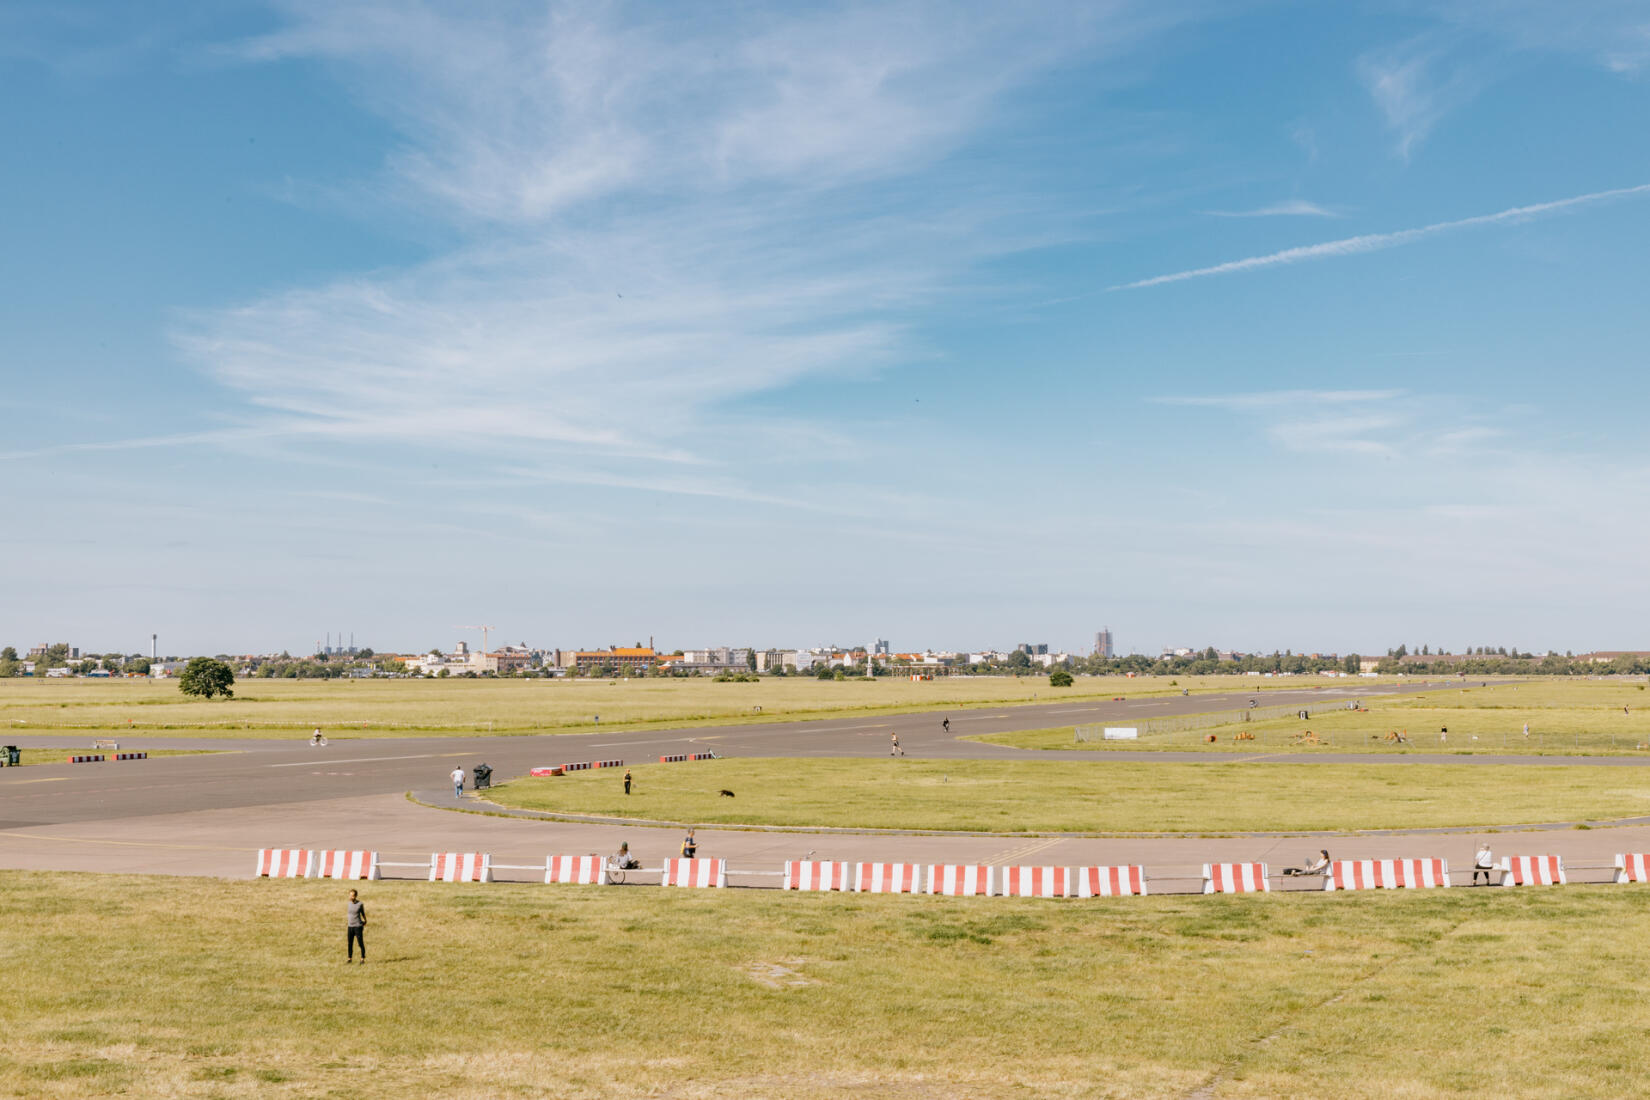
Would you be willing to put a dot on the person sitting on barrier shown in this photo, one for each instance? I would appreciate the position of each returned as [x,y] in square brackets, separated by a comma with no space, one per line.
[1319,866]
[623,860]
[1483,863]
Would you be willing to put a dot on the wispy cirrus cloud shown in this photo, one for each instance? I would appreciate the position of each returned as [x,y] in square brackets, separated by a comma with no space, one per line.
[1415,84]
[1375,242]
[1289,208]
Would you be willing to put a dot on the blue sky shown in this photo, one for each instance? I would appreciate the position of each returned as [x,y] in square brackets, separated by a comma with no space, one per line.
[1306,325]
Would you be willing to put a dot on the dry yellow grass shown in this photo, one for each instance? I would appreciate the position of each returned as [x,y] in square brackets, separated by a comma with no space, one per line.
[201,988]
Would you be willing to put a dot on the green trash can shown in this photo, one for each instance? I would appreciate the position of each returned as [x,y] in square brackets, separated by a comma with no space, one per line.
[14,756]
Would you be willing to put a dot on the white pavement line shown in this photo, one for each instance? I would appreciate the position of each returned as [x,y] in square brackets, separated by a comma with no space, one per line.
[977,718]
[323,761]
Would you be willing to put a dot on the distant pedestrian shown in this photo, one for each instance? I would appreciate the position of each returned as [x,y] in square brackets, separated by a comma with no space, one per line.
[355,926]
[690,847]
[627,781]
[946,725]
[1526,729]
[458,782]
[893,745]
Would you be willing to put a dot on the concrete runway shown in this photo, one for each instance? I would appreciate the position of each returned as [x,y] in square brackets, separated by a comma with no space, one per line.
[208,815]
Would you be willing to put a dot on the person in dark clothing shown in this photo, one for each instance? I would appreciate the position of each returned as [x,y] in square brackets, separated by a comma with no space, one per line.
[690,847]
[356,926]
[627,781]
[946,725]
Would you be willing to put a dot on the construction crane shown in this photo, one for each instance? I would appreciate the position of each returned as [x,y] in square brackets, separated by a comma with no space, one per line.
[484,630]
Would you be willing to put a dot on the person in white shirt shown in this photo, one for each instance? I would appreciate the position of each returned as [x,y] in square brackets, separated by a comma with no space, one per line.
[458,782]
[1482,863]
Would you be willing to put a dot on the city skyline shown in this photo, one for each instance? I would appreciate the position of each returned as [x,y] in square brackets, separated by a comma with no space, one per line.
[1258,323]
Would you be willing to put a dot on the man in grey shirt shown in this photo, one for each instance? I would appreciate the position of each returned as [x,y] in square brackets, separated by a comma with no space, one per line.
[356,925]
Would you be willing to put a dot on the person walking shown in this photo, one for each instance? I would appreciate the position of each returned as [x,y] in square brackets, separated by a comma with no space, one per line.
[355,926]
[458,782]
[627,781]
[893,745]
[946,725]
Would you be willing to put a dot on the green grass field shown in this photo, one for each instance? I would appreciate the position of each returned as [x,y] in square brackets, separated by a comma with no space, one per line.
[402,708]
[1103,797]
[202,988]
[1566,717]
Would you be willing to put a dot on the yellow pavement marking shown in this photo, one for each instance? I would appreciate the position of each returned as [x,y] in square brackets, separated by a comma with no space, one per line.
[50,779]
[131,843]
[1014,854]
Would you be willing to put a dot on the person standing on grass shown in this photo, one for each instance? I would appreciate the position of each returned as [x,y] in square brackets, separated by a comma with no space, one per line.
[355,924]
[627,781]
[458,782]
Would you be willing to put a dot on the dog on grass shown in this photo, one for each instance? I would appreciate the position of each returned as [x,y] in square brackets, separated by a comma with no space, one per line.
[726,793]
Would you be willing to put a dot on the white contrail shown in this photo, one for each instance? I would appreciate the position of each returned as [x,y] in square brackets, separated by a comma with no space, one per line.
[1372,242]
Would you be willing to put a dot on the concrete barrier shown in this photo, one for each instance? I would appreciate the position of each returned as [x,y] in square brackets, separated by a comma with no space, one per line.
[333,863]
[677,759]
[805,874]
[1038,882]
[542,772]
[1633,867]
[695,872]
[961,880]
[585,766]
[1532,871]
[887,878]
[461,867]
[607,763]
[130,756]
[1386,874]
[92,758]
[1108,882]
[1235,878]
[283,863]
[582,870]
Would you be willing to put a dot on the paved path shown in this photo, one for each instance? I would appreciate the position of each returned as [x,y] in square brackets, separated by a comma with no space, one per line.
[209,814]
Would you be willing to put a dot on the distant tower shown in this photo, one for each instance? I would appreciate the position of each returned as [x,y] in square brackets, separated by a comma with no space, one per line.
[154,647]
[1102,643]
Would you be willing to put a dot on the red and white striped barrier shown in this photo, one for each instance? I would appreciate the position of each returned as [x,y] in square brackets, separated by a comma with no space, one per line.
[94,758]
[1386,874]
[607,764]
[1633,867]
[130,756]
[582,870]
[1109,882]
[887,878]
[960,880]
[695,872]
[461,867]
[1038,882]
[343,864]
[542,772]
[283,863]
[702,756]
[673,759]
[1532,871]
[824,874]
[576,767]
[1235,878]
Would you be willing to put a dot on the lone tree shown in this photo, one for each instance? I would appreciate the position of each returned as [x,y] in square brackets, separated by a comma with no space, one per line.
[207,677]
[1059,678]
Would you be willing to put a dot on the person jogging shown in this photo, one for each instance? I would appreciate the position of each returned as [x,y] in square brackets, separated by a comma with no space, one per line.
[355,926]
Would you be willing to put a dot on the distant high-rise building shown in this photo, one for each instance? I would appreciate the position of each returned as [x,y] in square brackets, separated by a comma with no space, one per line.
[880,646]
[1033,649]
[1102,644]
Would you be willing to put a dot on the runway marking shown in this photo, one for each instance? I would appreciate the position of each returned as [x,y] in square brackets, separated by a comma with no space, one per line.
[1013,854]
[366,760]
[52,779]
[977,718]
[129,843]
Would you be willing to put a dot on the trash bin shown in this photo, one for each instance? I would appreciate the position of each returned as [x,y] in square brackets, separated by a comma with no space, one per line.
[484,777]
[14,756]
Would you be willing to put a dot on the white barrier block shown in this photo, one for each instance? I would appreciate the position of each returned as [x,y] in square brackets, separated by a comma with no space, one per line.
[335,863]
[1109,882]
[806,874]
[461,867]
[1235,878]
[958,880]
[283,863]
[886,878]
[1386,874]
[583,870]
[1633,867]
[695,872]
[1532,871]
[1038,882]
